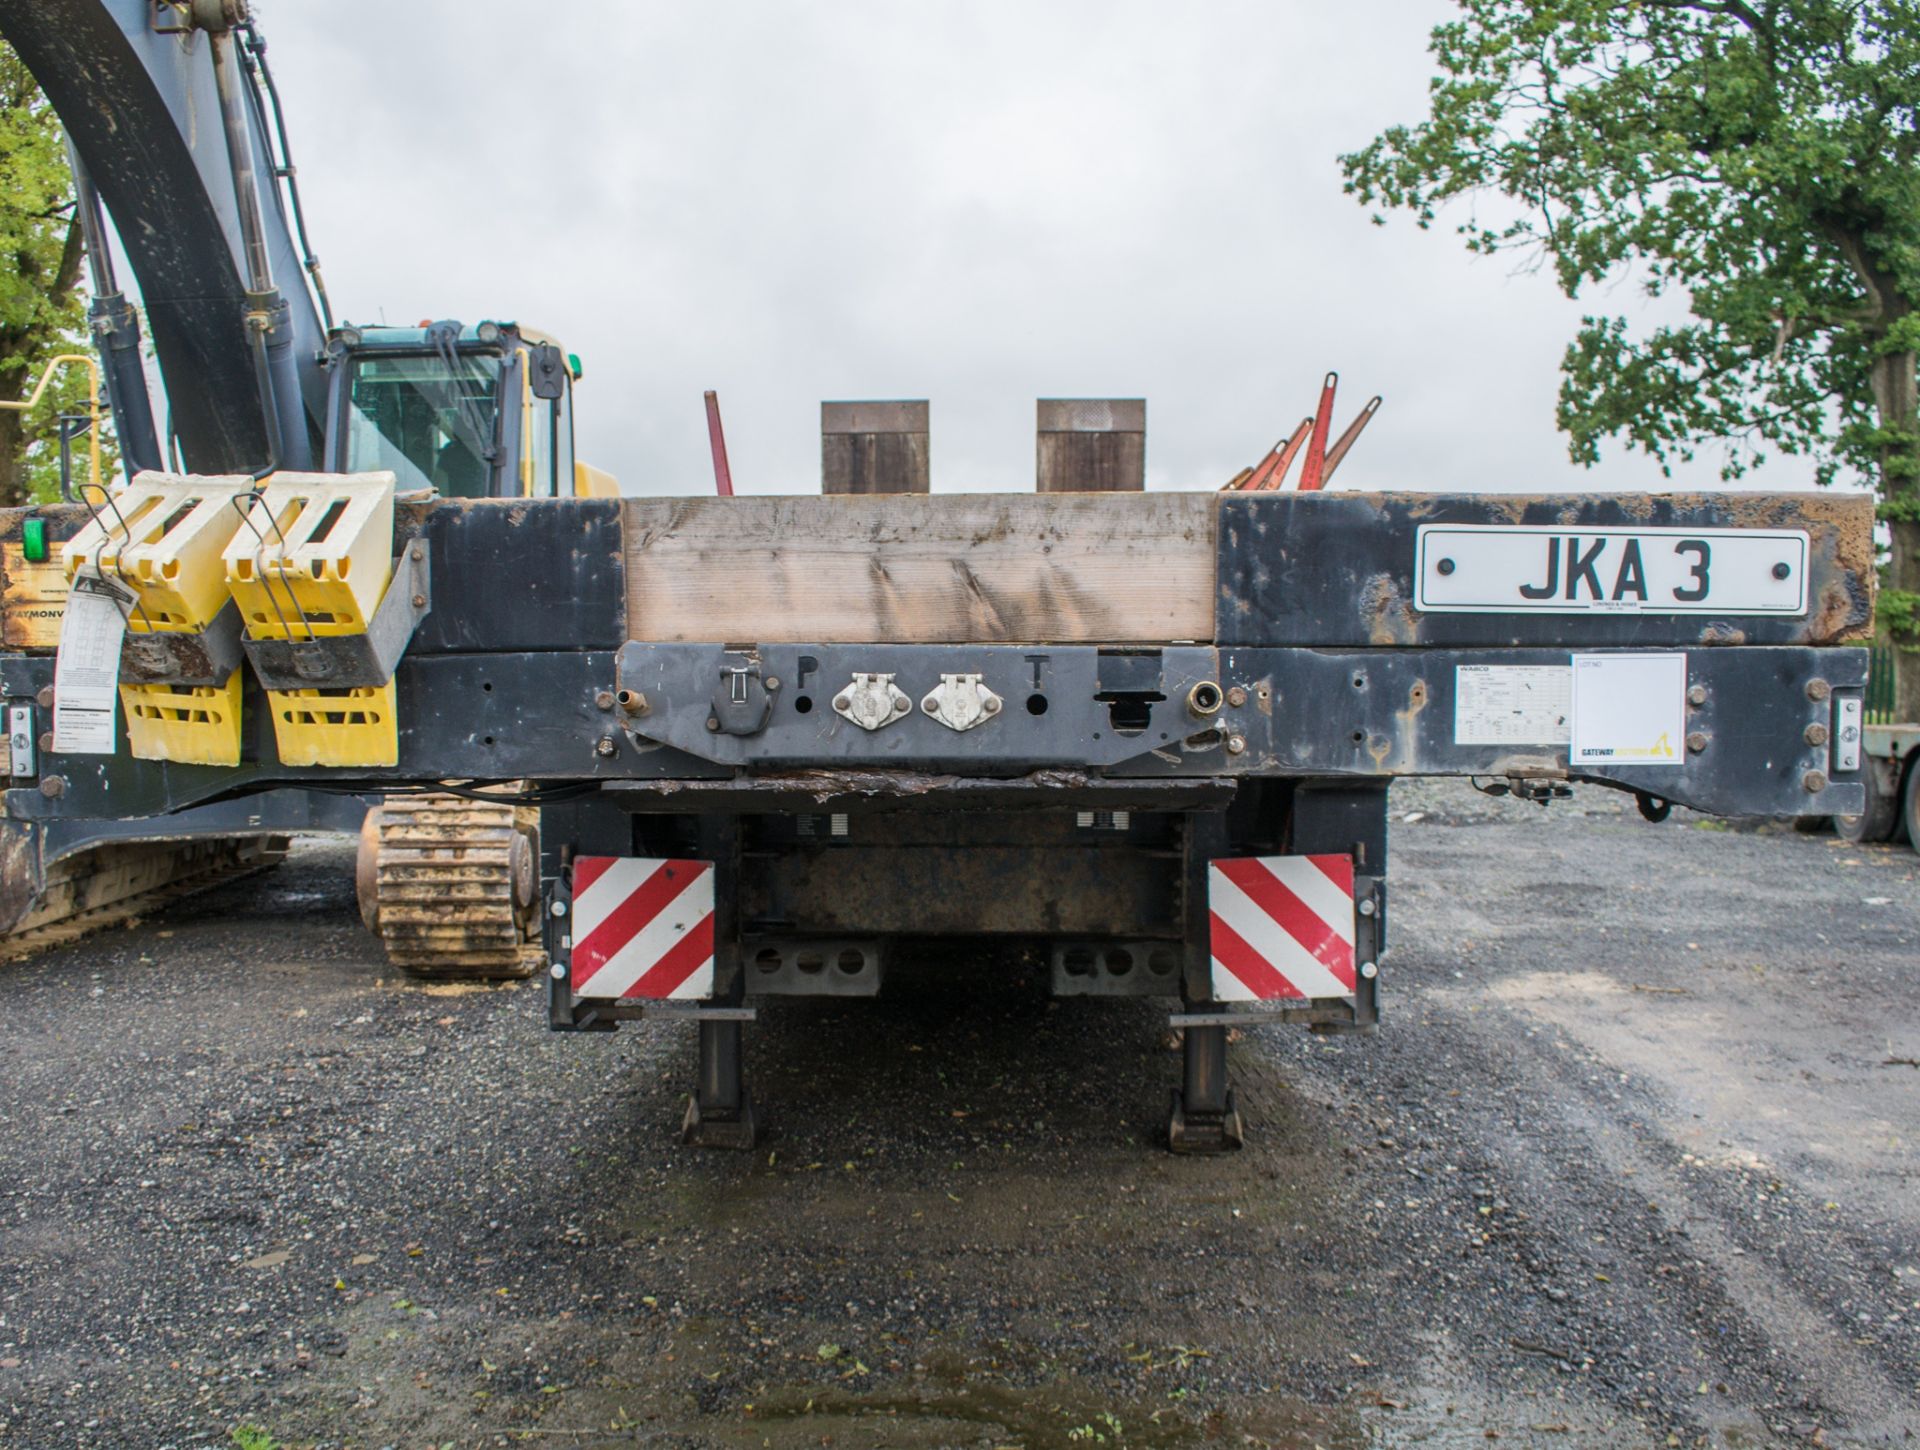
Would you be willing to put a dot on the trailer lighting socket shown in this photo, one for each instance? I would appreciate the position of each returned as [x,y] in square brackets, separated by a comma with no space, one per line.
[33,540]
[1204,699]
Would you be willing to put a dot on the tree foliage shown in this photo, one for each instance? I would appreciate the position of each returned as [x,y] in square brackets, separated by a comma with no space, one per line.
[42,304]
[1758,161]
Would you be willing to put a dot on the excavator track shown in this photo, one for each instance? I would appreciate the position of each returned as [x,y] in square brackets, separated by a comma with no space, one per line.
[452,886]
[110,885]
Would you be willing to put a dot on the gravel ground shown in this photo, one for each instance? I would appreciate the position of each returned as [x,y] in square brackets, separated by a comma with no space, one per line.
[1631,1161]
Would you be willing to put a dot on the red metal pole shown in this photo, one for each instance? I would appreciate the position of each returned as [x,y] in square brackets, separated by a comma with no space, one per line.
[1313,468]
[1346,440]
[1272,473]
[722,475]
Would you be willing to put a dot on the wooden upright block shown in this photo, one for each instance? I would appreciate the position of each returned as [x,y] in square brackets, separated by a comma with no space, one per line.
[1091,445]
[874,448]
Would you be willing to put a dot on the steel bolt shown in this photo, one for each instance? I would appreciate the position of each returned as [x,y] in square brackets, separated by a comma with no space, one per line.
[1369,970]
[559,908]
[1445,566]
[603,699]
[1366,907]
[712,724]
[1818,689]
[1783,571]
[419,601]
[1697,741]
[606,745]
[1816,734]
[418,553]
[46,742]
[1815,781]
[1236,697]
[558,972]
[53,787]
[1236,744]
[45,698]
[1696,694]
[773,682]
[992,707]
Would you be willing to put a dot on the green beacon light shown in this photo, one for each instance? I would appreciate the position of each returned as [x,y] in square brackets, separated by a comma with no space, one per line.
[33,540]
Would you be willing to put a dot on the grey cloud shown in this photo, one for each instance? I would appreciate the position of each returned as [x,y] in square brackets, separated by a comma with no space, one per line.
[974,203]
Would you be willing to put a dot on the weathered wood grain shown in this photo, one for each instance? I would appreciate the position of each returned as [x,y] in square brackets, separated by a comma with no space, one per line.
[1090,445]
[33,597]
[874,447]
[986,568]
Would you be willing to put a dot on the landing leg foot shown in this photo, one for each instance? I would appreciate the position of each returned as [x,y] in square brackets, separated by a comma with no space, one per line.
[740,1131]
[1219,1132]
[1204,1118]
[720,1113]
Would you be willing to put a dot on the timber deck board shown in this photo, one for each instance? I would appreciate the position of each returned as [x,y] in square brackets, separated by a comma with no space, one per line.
[943,569]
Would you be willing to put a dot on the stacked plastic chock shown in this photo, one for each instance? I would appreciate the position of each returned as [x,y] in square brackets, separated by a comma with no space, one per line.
[311,562]
[161,536]
[289,564]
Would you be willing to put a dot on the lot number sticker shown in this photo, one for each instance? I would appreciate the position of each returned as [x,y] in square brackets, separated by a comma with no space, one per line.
[1629,709]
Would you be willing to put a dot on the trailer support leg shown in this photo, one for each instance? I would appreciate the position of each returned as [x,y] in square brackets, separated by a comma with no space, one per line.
[1203,1118]
[720,1112]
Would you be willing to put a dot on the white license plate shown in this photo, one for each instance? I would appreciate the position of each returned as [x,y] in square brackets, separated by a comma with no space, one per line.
[1499,568]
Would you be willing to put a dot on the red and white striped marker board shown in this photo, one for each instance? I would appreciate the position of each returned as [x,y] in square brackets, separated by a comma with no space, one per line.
[1282,927]
[642,928]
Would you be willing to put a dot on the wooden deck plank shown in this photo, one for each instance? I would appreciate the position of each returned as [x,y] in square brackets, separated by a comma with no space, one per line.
[947,568]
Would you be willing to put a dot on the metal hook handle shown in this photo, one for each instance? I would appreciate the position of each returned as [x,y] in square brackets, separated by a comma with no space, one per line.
[252,497]
[119,561]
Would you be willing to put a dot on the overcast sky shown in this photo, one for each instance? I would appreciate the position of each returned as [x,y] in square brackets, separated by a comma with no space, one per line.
[975,203]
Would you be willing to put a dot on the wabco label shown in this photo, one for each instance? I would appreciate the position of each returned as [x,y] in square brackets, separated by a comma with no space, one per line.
[1512,704]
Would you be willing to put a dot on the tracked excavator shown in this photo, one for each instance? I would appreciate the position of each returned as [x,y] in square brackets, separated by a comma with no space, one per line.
[260,383]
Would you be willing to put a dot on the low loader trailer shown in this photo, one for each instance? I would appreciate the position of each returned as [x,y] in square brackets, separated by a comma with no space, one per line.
[779,744]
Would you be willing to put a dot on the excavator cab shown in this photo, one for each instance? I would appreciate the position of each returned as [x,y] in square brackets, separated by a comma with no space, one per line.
[466,412]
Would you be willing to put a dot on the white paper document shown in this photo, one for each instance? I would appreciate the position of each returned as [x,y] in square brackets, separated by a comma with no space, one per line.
[86,674]
[1629,709]
[1511,704]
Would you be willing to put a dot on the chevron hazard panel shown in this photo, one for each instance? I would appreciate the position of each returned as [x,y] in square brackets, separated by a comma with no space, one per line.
[642,928]
[1282,927]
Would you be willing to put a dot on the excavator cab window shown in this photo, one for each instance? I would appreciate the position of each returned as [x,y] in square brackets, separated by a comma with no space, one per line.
[432,419]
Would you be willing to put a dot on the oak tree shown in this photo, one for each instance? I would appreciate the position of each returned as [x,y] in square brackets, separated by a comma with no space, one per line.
[1756,163]
[42,303]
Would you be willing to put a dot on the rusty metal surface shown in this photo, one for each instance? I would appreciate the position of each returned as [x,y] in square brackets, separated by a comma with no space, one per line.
[1326,714]
[906,873]
[512,574]
[21,871]
[1337,569]
[855,791]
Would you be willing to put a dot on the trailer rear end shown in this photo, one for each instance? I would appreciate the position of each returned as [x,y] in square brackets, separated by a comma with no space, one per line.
[781,744]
